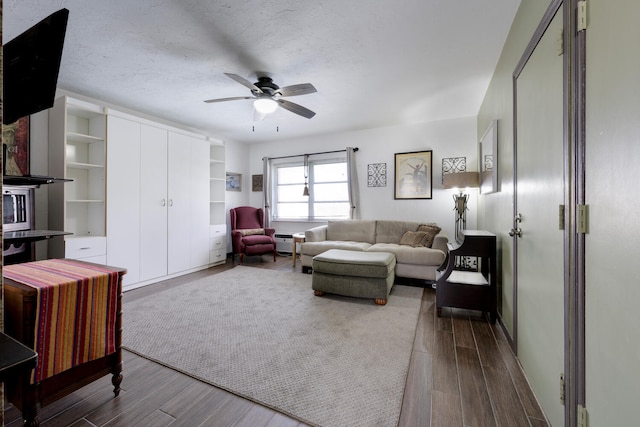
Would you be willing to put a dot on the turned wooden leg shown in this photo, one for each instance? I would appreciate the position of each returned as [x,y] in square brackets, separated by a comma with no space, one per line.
[116,379]
[241,259]
[380,301]
[318,293]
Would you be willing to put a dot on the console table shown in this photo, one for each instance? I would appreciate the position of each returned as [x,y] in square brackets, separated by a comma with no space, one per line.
[473,290]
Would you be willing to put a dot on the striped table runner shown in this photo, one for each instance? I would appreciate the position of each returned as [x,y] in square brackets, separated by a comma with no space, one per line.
[75,312]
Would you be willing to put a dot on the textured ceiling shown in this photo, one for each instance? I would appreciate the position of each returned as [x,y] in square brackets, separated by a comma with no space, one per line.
[374,62]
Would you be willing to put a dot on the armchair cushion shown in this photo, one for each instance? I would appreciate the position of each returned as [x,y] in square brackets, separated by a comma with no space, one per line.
[251,231]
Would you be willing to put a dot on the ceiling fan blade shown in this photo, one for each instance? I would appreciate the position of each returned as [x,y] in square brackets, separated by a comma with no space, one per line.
[295,90]
[244,82]
[229,99]
[295,108]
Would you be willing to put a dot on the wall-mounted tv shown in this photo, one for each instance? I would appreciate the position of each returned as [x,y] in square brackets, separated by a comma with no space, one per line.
[31,63]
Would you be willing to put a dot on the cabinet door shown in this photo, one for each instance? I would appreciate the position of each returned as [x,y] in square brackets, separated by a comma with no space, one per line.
[153,203]
[179,155]
[123,205]
[199,203]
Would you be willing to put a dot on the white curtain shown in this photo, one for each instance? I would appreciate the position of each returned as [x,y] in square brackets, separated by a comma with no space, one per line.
[352,176]
[266,190]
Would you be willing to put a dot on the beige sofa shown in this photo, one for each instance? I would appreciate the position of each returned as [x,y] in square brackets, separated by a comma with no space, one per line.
[417,262]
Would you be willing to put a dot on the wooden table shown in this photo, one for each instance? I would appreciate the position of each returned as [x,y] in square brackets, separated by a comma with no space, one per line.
[297,238]
[20,322]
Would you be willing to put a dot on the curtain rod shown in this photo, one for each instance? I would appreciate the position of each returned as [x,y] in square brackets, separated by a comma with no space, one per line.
[312,154]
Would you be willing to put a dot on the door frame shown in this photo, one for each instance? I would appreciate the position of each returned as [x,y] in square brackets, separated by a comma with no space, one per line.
[574,143]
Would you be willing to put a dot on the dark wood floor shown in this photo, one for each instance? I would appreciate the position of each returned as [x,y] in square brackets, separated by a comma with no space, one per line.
[462,373]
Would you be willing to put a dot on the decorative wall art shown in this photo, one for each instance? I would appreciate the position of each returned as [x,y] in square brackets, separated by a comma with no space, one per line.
[15,138]
[377,175]
[488,159]
[413,175]
[234,181]
[453,165]
[256,182]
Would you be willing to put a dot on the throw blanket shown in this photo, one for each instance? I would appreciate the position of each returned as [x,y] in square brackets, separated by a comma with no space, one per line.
[75,312]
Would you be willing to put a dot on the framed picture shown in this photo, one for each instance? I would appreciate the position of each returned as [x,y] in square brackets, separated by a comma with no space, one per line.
[15,137]
[377,175]
[256,182]
[234,181]
[413,178]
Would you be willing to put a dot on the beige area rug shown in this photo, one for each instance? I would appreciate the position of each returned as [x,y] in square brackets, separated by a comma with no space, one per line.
[263,335]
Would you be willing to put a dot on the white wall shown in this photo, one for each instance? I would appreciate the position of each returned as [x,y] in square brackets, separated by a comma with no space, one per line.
[448,138]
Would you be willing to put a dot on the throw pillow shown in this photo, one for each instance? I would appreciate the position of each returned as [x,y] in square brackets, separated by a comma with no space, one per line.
[251,231]
[413,238]
[431,231]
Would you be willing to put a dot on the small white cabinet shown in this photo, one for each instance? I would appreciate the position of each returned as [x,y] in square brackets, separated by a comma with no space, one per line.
[77,151]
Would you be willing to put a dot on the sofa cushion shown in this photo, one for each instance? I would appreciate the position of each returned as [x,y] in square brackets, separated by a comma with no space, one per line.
[432,231]
[414,238]
[388,231]
[315,248]
[411,255]
[354,230]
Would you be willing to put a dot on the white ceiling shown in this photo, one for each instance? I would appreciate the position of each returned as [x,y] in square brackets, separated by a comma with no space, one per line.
[374,62]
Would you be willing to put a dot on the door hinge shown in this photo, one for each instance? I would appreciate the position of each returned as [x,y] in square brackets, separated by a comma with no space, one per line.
[560,217]
[581,23]
[583,219]
[562,390]
[582,416]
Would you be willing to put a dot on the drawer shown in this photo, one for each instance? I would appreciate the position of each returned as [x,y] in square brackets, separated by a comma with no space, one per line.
[216,256]
[217,243]
[85,247]
[217,230]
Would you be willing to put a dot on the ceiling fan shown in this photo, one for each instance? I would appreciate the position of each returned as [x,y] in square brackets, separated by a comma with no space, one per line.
[267,95]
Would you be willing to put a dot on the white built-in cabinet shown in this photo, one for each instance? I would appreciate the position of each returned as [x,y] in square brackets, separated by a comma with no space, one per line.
[217,210]
[158,188]
[77,147]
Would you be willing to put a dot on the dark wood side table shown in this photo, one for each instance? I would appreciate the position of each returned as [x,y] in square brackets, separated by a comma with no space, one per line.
[472,290]
[15,358]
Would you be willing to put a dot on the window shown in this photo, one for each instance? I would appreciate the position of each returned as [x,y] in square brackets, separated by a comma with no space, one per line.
[328,190]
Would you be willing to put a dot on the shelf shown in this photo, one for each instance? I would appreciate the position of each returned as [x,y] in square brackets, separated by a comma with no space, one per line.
[216,201]
[84,201]
[86,139]
[75,165]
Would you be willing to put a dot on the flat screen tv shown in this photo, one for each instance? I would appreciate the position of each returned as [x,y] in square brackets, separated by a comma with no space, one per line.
[31,63]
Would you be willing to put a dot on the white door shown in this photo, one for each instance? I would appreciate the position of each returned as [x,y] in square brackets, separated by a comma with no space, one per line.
[199,165]
[153,203]
[179,178]
[612,293]
[540,192]
[123,205]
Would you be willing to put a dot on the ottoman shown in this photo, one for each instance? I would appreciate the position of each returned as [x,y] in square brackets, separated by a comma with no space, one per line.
[354,274]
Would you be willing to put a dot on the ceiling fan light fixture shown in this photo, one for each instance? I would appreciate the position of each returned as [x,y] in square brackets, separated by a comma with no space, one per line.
[265,105]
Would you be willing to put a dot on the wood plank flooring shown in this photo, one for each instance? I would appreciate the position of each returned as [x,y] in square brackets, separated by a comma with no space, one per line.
[462,373]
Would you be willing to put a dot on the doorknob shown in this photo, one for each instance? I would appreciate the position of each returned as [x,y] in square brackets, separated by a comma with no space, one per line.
[518,218]
[515,232]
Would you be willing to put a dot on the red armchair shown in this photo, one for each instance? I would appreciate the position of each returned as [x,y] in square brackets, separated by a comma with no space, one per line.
[248,235]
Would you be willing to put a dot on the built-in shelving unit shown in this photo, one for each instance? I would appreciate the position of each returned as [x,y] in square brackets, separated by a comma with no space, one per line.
[77,151]
[217,207]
